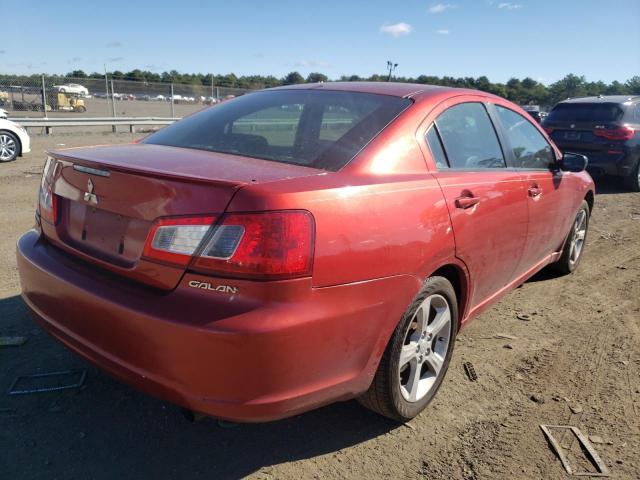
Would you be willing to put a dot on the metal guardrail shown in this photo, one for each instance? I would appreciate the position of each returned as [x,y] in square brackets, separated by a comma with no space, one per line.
[50,123]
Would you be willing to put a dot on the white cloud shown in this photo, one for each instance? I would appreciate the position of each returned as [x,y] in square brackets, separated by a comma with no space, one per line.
[440,7]
[397,29]
[510,6]
[442,31]
[114,45]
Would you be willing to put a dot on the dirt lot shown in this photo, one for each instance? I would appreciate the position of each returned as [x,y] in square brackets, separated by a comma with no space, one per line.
[576,361]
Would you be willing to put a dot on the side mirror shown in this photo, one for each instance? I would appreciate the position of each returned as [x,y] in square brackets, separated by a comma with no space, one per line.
[573,162]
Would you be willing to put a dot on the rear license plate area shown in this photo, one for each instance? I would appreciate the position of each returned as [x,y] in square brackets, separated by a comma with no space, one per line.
[572,135]
[106,235]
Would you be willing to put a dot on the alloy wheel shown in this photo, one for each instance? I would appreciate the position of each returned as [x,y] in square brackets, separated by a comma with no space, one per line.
[577,239]
[425,348]
[8,148]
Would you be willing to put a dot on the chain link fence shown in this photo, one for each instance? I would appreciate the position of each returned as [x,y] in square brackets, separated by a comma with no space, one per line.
[48,96]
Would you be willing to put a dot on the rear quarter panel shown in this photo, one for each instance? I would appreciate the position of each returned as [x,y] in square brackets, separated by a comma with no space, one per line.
[365,228]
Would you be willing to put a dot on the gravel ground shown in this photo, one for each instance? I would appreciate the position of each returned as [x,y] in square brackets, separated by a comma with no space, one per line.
[575,361]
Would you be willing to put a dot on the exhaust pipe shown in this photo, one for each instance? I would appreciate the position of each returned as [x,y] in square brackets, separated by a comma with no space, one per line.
[193,417]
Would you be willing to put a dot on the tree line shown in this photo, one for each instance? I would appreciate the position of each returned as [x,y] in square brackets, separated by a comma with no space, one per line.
[526,91]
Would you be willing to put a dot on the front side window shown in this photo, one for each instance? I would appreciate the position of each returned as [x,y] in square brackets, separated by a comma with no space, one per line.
[316,128]
[469,138]
[530,149]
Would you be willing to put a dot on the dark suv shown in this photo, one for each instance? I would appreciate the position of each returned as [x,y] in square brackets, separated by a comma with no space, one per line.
[605,129]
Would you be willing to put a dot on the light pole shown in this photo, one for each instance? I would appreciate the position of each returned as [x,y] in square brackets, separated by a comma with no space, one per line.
[106,86]
[391,67]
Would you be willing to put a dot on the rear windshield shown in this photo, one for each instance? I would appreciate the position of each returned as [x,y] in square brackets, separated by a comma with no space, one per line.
[316,128]
[585,112]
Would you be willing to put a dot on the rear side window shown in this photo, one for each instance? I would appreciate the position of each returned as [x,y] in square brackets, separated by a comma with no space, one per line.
[530,149]
[585,112]
[433,140]
[469,138]
[316,128]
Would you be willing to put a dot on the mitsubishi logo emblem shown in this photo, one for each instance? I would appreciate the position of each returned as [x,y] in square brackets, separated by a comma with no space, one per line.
[89,195]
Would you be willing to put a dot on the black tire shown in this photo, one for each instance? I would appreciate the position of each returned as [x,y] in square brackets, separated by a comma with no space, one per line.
[81,109]
[632,182]
[384,395]
[18,147]
[567,264]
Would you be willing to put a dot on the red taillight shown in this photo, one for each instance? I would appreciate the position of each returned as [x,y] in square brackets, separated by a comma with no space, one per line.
[269,245]
[264,246]
[549,130]
[620,133]
[47,200]
[48,204]
[175,240]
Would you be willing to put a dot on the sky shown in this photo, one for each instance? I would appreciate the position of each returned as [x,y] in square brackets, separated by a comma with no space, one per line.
[541,39]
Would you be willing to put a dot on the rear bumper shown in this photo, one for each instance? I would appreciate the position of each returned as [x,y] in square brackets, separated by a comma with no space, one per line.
[233,358]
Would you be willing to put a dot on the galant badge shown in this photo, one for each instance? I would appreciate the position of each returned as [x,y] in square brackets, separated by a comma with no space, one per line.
[89,196]
[213,288]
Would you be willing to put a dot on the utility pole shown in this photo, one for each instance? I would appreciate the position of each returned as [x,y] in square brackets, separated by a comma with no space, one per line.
[113,105]
[106,86]
[173,112]
[391,67]
[44,98]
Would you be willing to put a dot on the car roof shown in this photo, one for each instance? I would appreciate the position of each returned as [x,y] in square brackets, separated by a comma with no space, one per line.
[603,99]
[395,89]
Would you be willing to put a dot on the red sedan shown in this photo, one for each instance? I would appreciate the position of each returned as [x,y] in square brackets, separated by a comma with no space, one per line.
[302,245]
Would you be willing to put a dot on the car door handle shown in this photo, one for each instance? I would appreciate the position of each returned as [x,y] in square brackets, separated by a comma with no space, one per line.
[535,191]
[467,201]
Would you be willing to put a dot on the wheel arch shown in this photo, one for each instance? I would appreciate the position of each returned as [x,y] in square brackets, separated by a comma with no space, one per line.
[590,198]
[458,278]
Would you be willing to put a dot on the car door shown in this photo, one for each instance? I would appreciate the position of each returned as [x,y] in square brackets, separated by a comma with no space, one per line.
[486,200]
[549,195]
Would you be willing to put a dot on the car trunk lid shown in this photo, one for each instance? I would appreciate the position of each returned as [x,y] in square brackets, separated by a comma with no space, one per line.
[573,126]
[110,196]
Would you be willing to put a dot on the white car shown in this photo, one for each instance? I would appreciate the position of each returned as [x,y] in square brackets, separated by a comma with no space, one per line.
[72,88]
[14,140]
